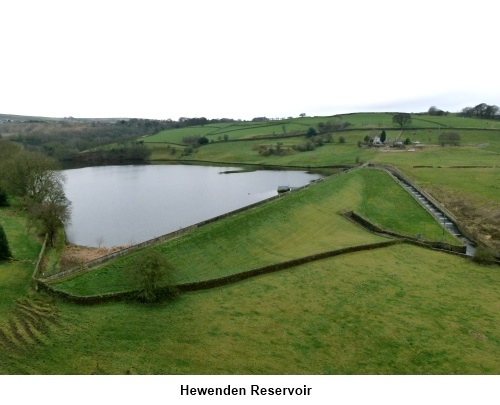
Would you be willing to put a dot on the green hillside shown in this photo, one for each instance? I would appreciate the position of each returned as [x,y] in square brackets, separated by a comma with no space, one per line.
[397,309]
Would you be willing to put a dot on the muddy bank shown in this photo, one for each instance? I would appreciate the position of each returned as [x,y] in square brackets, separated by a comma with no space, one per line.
[74,255]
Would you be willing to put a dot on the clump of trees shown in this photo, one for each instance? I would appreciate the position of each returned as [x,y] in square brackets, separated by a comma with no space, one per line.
[449,138]
[332,125]
[153,277]
[482,110]
[65,138]
[436,111]
[35,179]
[193,142]
[132,152]
[314,141]
[277,150]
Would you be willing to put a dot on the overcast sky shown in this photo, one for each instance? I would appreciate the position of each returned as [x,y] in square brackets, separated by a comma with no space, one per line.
[242,59]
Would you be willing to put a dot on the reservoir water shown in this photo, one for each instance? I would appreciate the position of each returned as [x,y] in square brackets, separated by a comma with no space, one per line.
[124,205]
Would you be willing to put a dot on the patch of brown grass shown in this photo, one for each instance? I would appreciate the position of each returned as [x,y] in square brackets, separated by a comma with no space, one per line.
[74,255]
[481,218]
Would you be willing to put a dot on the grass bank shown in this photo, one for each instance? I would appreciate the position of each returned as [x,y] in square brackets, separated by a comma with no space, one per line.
[15,274]
[401,310]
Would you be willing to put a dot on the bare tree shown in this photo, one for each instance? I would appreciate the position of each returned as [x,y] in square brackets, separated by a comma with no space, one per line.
[50,209]
[402,119]
[449,138]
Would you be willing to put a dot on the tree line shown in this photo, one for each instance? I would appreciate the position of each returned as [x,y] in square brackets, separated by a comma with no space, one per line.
[35,181]
[482,110]
[61,139]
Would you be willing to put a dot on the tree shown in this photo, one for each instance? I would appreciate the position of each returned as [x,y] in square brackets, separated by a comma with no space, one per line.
[402,119]
[302,115]
[491,111]
[24,172]
[203,140]
[449,138]
[341,139]
[482,110]
[466,112]
[152,276]
[383,136]
[4,246]
[436,111]
[50,208]
[311,132]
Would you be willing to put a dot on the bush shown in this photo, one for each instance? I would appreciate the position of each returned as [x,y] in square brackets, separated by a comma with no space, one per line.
[4,246]
[311,132]
[4,202]
[152,276]
[449,138]
[191,140]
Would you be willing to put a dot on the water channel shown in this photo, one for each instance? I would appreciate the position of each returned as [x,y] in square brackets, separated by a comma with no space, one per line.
[124,205]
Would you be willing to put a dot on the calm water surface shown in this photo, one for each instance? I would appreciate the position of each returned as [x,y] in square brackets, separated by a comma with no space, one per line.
[122,205]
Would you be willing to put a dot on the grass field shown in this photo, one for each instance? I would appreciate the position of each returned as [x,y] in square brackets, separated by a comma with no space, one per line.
[15,275]
[397,310]
[244,130]
[471,194]
[304,223]
[401,310]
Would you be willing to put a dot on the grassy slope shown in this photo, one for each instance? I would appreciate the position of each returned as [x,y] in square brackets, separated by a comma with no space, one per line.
[471,193]
[246,152]
[301,224]
[403,310]
[15,275]
[244,130]
[400,310]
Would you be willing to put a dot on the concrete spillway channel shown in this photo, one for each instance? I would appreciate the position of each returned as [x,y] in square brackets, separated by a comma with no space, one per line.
[440,217]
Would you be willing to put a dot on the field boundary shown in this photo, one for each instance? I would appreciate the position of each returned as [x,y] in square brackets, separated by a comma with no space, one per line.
[34,276]
[213,283]
[220,282]
[435,245]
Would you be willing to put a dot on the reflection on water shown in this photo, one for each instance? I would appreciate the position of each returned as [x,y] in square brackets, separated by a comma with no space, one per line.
[122,205]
